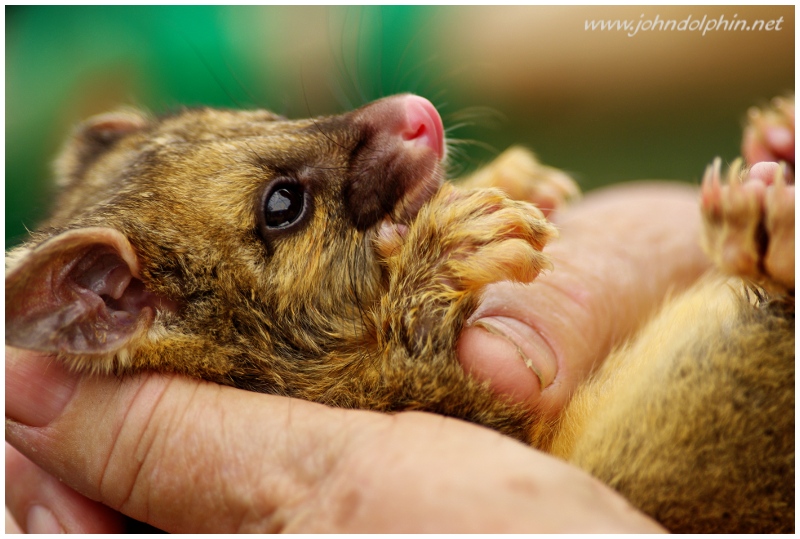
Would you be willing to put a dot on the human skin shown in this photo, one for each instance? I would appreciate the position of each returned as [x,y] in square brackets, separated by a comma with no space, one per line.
[190,456]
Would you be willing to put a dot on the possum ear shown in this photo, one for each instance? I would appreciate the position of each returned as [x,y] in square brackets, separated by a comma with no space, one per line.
[78,293]
[93,138]
[105,129]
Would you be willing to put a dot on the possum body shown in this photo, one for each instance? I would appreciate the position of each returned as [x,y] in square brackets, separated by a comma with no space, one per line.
[327,259]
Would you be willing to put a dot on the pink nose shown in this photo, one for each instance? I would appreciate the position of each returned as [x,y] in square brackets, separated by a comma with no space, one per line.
[423,125]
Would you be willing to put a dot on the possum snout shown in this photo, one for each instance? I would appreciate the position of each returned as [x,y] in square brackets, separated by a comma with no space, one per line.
[421,125]
[396,166]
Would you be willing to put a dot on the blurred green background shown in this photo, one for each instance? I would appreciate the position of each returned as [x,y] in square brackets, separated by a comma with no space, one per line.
[603,105]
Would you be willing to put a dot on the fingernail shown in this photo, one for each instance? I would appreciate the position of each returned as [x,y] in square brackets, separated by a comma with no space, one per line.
[533,350]
[38,387]
[42,520]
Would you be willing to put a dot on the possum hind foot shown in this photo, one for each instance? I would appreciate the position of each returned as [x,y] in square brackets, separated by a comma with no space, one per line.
[749,215]
[748,223]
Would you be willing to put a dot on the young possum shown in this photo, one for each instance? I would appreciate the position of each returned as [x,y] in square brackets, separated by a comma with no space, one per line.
[326,259]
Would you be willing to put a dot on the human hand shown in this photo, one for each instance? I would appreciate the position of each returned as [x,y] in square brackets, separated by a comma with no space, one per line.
[191,456]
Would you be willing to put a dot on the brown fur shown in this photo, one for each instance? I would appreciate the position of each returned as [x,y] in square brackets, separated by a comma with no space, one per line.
[359,304]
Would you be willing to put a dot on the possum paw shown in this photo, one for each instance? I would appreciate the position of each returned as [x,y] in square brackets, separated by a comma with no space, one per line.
[748,222]
[519,175]
[487,237]
[769,134]
[460,242]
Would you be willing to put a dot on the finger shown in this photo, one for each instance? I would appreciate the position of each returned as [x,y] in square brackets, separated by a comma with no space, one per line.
[166,450]
[192,457]
[40,503]
[620,252]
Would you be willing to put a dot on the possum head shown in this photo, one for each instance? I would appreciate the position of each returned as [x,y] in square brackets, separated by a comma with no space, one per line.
[204,241]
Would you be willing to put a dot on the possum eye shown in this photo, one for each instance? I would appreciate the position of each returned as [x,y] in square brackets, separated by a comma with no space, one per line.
[284,203]
[283,206]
